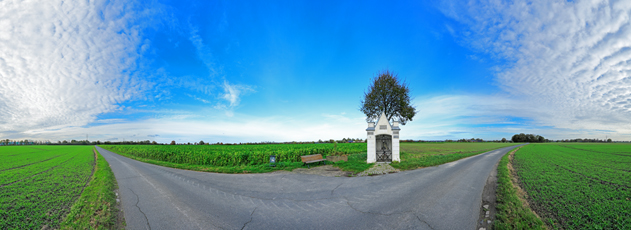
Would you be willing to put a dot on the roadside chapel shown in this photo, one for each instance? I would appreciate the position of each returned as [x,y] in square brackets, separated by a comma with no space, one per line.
[383,140]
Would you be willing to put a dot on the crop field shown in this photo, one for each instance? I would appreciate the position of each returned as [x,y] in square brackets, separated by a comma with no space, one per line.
[577,186]
[233,155]
[38,185]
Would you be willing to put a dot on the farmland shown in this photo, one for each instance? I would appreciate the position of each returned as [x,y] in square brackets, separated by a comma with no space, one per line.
[239,158]
[233,155]
[577,186]
[415,155]
[255,158]
[39,185]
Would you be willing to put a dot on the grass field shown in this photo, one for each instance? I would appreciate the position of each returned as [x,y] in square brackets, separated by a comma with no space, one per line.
[512,212]
[39,186]
[577,186]
[417,155]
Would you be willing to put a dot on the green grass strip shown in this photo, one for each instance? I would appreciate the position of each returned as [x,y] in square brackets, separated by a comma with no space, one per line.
[511,212]
[356,163]
[96,208]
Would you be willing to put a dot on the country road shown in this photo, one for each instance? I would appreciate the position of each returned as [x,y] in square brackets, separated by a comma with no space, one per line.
[441,197]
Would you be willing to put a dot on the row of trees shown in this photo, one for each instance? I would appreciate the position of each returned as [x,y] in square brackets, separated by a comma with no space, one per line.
[20,142]
[343,140]
[532,138]
[587,140]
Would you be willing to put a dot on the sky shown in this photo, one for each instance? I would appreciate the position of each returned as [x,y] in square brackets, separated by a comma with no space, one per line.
[254,71]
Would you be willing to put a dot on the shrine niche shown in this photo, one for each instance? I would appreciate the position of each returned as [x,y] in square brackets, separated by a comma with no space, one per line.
[383,140]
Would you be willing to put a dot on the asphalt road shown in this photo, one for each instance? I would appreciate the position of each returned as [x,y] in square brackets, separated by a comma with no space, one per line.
[441,197]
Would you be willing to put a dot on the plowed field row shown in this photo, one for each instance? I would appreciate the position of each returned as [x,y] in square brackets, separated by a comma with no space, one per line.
[577,186]
[38,186]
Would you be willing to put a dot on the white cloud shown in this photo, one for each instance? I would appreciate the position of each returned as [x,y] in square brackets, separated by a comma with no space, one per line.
[63,62]
[232,94]
[569,61]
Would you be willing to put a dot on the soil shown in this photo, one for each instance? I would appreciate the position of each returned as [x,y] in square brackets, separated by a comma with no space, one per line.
[521,193]
[488,198]
[120,215]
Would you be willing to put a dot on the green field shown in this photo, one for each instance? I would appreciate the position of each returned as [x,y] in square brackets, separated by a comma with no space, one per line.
[241,158]
[577,186]
[40,186]
[416,155]
[255,158]
[233,155]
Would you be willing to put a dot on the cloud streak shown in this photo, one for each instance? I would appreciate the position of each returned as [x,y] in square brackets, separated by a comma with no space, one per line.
[569,62]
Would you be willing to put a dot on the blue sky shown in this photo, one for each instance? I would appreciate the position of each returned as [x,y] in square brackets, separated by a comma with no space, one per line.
[250,71]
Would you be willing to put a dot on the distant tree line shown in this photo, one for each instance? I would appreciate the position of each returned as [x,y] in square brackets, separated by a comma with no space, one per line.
[7,142]
[586,140]
[516,138]
[532,138]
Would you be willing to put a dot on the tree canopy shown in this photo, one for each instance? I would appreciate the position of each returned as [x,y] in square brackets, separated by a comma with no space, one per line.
[528,138]
[389,95]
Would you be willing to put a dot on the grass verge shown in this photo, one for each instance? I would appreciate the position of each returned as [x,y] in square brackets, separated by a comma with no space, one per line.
[96,208]
[511,211]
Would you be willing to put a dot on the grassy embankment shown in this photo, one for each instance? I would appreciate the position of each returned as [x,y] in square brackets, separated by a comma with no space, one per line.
[511,211]
[96,208]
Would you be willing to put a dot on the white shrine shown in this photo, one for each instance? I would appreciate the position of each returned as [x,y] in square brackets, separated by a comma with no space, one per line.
[383,140]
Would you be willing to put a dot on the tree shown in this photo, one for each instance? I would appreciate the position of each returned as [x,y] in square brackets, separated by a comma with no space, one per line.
[527,138]
[503,139]
[388,95]
[172,142]
[201,142]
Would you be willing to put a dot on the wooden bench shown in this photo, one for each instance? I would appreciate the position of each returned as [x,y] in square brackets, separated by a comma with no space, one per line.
[312,159]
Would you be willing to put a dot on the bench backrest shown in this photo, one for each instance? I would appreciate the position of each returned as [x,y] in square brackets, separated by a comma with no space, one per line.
[311,157]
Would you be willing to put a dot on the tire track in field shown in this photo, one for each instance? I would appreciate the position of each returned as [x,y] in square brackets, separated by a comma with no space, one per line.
[594,151]
[22,166]
[593,178]
[62,163]
[89,178]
